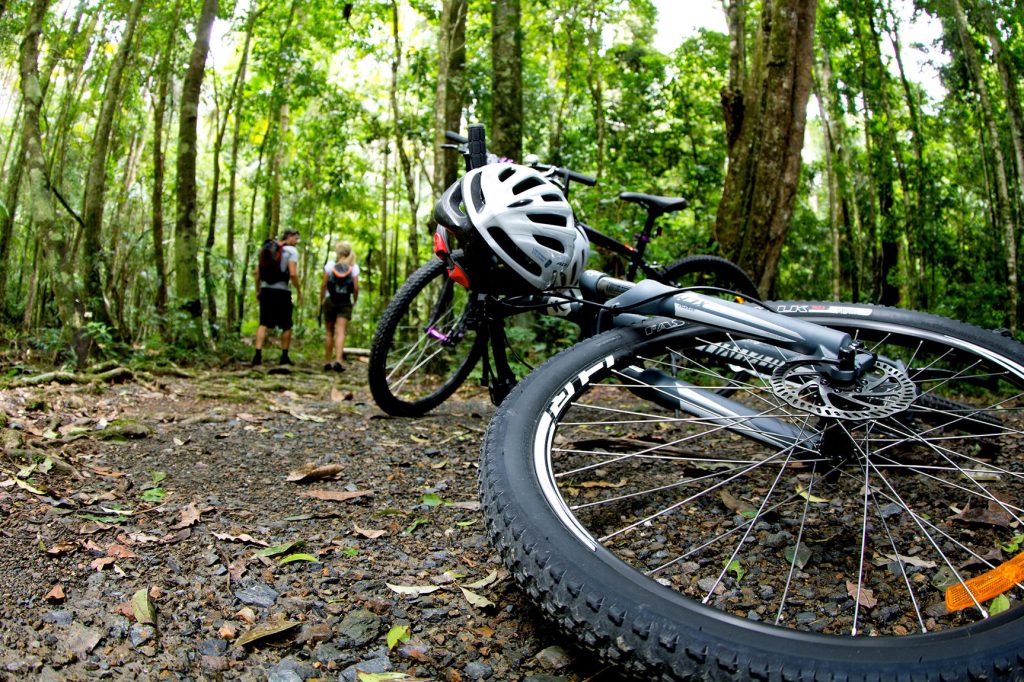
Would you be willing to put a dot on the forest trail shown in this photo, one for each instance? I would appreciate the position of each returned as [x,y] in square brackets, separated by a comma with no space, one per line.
[246,524]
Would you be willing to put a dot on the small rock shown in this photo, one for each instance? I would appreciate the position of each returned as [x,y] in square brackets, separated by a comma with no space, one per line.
[545,678]
[213,647]
[58,617]
[119,626]
[80,640]
[326,653]
[376,665]
[216,664]
[314,632]
[140,633]
[478,671]
[289,670]
[360,627]
[553,658]
[257,594]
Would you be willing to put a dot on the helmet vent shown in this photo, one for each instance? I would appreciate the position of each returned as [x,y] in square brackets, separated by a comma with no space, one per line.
[527,183]
[548,219]
[513,250]
[477,194]
[550,243]
[553,197]
[506,174]
[521,203]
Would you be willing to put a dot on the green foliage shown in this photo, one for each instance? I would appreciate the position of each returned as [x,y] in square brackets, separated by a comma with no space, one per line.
[316,126]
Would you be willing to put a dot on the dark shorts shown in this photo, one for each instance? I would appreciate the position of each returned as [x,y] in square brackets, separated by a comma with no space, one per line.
[276,308]
[333,311]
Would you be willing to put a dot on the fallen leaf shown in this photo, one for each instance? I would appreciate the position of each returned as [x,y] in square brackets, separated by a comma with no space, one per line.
[94,527]
[335,495]
[312,472]
[399,633]
[471,505]
[240,538]
[29,487]
[61,548]
[56,593]
[121,552]
[190,516]
[142,607]
[475,599]
[735,504]
[228,631]
[415,590]
[367,532]
[998,605]
[280,549]
[298,557]
[266,630]
[138,538]
[484,582]
[995,514]
[102,562]
[337,396]
[307,417]
[913,561]
[867,597]
[813,499]
[386,677]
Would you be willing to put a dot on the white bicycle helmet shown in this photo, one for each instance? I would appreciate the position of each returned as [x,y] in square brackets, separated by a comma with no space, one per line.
[527,223]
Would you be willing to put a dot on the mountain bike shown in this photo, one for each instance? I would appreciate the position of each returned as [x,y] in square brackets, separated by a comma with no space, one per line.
[794,490]
[434,332]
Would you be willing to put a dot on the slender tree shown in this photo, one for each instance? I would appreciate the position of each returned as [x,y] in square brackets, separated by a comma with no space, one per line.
[43,213]
[94,253]
[186,239]
[1003,207]
[506,133]
[449,94]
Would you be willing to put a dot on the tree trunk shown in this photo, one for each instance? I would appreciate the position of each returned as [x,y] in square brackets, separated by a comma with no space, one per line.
[595,85]
[1008,78]
[231,292]
[449,95]
[1004,210]
[506,134]
[835,204]
[764,163]
[413,258]
[732,94]
[41,202]
[159,112]
[186,240]
[94,254]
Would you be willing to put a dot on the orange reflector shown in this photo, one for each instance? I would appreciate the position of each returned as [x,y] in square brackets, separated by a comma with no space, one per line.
[987,585]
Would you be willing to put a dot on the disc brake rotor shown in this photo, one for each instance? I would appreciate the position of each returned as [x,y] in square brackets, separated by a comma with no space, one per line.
[882,392]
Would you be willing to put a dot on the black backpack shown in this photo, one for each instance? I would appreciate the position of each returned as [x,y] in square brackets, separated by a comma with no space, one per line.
[339,284]
[270,263]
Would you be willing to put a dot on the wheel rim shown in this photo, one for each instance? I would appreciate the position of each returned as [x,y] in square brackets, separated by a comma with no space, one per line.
[838,524]
[431,343]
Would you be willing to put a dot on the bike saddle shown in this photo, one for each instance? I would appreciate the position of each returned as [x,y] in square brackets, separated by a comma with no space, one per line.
[656,204]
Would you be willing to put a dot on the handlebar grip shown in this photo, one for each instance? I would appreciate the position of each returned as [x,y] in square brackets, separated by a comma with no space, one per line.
[581,178]
[477,146]
[453,136]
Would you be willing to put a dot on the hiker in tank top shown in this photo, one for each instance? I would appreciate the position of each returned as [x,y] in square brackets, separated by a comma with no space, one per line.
[339,292]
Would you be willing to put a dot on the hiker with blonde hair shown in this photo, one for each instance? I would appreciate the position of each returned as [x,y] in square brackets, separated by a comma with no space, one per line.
[339,292]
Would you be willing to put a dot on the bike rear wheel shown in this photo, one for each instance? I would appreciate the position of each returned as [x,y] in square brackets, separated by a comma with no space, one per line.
[709,271]
[425,345]
[809,534]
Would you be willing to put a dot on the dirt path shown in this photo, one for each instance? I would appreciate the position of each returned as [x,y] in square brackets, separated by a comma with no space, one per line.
[167,500]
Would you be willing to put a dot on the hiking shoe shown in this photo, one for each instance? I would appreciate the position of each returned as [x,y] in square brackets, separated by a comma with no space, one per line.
[257,359]
[285,360]
[338,367]
[329,367]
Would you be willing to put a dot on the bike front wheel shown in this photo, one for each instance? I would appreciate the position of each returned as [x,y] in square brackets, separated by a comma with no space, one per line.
[695,505]
[425,345]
